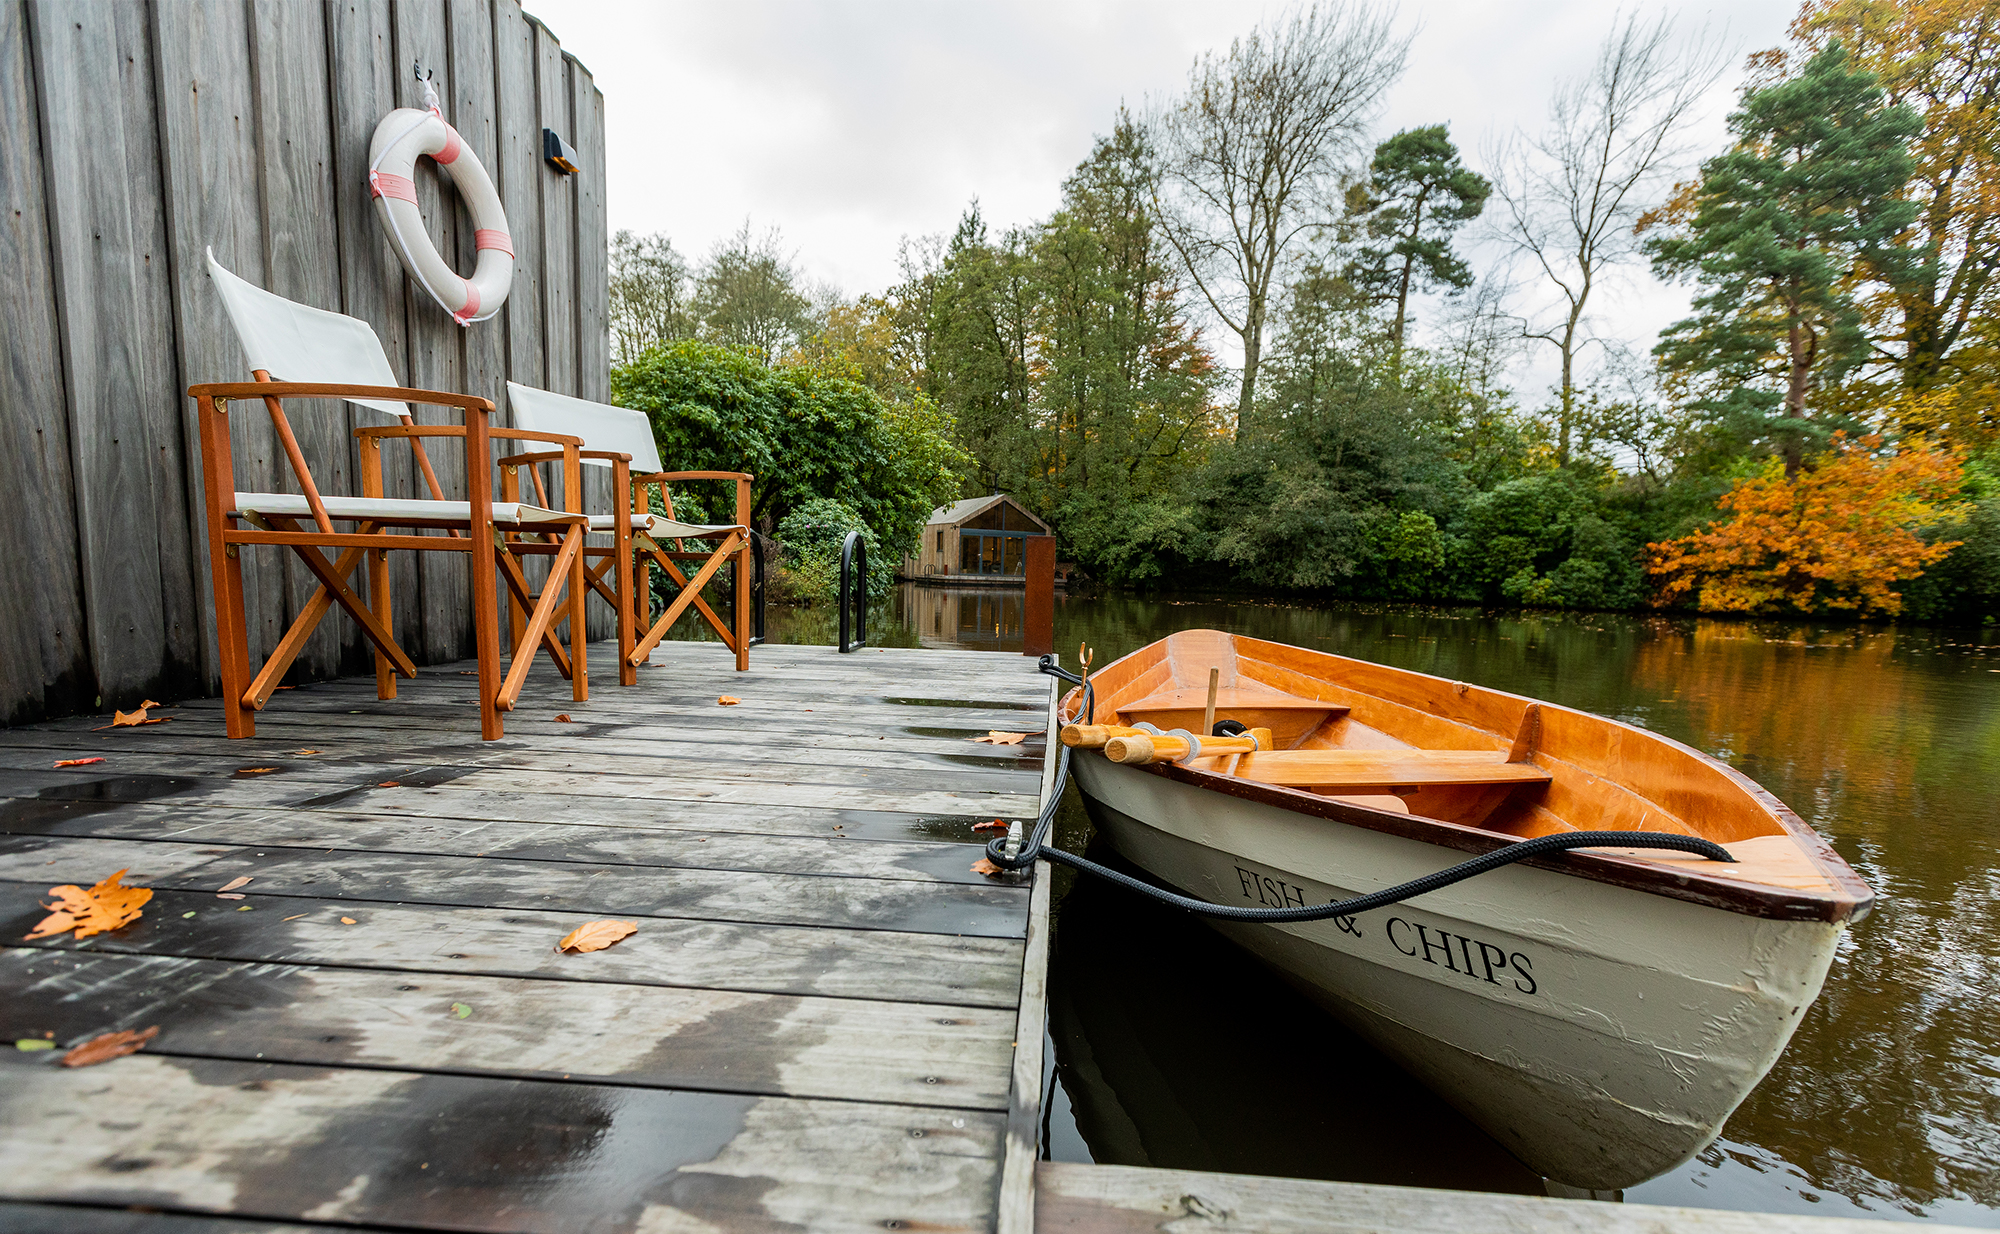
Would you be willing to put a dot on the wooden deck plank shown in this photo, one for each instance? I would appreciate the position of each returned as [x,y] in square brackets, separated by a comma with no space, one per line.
[358,879]
[715,955]
[43,1218]
[469,1153]
[651,1036]
[825,852]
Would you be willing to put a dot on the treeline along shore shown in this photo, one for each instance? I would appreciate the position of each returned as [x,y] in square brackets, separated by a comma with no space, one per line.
[1261,345]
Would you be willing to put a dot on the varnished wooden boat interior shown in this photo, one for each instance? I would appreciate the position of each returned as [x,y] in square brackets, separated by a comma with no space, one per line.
[1449,761]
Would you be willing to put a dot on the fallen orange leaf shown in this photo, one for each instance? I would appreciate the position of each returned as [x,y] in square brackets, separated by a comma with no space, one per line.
[596,935]
[995,825]
[390,784]
[241,880]
[103,908]
[564,719]
[305,753]
[253,771]
[999,738]
[347,921]
[983,866]
[77,762]
[727,700]
[109,1046]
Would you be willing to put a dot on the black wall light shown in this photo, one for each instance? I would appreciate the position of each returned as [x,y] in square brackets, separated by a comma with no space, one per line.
[559,153]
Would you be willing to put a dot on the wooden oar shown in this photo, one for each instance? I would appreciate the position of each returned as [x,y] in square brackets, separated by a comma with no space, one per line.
[1093,736]
[1134,748]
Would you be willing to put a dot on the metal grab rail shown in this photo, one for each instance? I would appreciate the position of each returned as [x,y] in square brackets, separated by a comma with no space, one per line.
[853,591]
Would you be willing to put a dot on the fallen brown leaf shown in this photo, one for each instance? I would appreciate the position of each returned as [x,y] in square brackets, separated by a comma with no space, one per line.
[306,753]
[77,762]
[995,825]
[596,935]
[124,719]
[727,700]
[390,784]
[295,918]
[347,921]
[998,738]
[241,880]
[109,1046]
[254,771]
[983,866]
[103,908]
[564,719]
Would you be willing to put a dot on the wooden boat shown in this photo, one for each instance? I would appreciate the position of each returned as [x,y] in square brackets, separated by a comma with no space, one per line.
[1599,1012]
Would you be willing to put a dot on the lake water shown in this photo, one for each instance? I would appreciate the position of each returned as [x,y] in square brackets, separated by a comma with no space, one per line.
[1173,1048]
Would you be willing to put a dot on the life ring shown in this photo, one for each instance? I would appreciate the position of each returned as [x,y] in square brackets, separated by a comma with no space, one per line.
[405,134]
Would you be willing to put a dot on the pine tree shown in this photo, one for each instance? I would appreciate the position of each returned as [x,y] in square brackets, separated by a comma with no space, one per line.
[1417,194]
[1779,226]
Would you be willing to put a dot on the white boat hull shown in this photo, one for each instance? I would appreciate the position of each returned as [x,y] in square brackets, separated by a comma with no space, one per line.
[1602,1034]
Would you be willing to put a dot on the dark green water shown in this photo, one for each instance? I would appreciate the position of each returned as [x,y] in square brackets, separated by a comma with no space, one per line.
[1173,1048]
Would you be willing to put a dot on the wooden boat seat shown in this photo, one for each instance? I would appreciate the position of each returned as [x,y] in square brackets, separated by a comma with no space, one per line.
[1290,717]
[1350,769]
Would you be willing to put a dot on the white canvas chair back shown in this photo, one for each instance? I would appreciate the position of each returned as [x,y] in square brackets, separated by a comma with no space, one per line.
[293,342]
[617,430]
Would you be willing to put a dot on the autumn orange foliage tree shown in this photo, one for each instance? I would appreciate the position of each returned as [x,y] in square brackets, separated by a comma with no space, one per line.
[1838,535]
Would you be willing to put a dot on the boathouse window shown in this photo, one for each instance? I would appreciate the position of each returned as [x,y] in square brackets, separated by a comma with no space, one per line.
[940,542]
[996,542]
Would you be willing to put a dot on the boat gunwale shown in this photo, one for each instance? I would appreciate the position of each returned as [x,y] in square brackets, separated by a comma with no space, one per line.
[1850,900]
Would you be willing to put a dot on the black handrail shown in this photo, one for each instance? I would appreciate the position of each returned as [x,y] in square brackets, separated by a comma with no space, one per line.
[853,591]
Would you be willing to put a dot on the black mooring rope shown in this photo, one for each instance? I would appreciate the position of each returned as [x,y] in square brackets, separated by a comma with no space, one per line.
[1037,848]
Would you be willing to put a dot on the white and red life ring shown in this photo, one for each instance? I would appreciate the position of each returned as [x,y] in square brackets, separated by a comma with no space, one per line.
[404,135]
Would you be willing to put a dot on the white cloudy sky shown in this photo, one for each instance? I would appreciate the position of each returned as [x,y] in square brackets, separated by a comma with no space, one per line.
[849,124]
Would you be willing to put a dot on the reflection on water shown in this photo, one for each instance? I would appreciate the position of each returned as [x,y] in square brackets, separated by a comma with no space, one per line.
[1173,1048]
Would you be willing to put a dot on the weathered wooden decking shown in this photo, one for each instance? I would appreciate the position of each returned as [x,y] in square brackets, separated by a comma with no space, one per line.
[813,1028]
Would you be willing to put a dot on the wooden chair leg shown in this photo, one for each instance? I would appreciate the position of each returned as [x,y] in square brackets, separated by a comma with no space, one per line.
[742,613]
[378,598]
[579,635]
[232,633]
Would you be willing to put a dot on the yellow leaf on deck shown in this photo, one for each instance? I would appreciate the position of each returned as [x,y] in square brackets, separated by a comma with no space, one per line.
[727,700]
[109,1046]
[253,771]
[998,738]
[596,935]
[99,910]
[241,880]
[347,921]
[125,719]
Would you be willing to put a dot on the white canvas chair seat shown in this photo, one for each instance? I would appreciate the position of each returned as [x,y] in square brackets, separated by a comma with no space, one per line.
[660,527]
[622,439]
[393,510]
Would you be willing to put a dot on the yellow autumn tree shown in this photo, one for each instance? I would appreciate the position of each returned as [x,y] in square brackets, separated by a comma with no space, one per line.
[1837,536]
[1932,314]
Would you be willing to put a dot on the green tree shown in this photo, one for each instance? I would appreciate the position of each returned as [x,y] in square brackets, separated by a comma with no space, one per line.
[1416,196]
[803,433]
[980,299]
[651,291]
[1780,224]
[748,297]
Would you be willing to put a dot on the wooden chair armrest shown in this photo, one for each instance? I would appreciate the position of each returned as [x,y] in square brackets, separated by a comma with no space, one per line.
[693,475]
[552,455]
[309,389]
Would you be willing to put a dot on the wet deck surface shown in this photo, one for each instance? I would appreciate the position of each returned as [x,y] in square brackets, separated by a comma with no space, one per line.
[813,1027]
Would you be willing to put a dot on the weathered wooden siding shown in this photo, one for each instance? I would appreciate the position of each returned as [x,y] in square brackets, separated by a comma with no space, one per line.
[134,137]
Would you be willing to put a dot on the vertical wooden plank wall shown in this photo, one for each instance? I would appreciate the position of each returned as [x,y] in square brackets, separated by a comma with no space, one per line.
[135,137]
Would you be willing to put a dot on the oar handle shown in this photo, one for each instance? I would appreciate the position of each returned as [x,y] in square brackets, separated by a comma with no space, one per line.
[1139,748]
[1093,736]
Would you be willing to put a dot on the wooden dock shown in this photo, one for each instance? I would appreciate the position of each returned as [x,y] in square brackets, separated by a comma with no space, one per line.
[815,1025]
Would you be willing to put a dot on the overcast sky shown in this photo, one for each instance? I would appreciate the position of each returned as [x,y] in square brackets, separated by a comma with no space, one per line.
[849,125]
